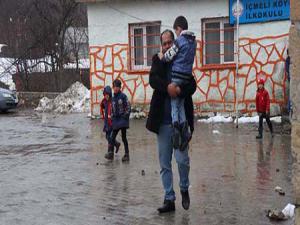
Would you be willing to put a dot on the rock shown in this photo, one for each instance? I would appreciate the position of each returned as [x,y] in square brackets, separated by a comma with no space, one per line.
[97,164]
[279,190]
[276,215]
[277,170]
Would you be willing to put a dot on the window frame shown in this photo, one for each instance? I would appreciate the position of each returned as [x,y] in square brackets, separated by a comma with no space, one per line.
[222,21]
[131,27]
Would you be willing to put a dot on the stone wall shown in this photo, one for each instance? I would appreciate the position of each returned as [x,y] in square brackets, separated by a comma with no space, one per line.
[294,49]
[58,81]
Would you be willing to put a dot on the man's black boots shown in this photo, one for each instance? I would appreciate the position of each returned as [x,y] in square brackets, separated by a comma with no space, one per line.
[168,206]
[185,199]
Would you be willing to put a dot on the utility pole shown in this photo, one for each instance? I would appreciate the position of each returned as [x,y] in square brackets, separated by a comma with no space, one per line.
[237,14]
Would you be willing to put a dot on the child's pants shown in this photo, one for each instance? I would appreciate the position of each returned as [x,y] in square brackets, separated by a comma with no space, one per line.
[124,139]
[261,119]
[108,136]
[177,104]
[178,110]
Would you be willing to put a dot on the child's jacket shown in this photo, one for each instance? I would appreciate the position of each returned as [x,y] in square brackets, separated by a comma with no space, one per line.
[106,110]
[182,53]
[262,101]
[120,111]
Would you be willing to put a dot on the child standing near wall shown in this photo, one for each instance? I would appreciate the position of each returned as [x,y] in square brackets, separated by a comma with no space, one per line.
[182,55]
[120,120]
[106,109]
[263,108]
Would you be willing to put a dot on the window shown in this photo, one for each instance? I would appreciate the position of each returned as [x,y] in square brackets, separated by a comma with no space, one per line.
[218,41]
[144,42]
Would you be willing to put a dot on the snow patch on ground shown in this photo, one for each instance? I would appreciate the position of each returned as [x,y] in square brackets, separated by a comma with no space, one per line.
[253,119]
[216,119]
[137,115]
[75,100]
[222,119]
[216,132]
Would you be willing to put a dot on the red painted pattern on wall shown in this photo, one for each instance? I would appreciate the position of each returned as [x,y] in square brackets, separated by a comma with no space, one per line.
[216,91]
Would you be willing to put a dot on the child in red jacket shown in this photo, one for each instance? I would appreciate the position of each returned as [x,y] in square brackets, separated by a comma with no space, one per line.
[106,111]
[263,108]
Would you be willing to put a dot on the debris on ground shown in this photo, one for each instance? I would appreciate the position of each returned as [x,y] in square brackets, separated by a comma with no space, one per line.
[287,213]
[279,190]
[216,132]
[143,173]
[276,215]
[289,210]
[277,170]
[75,99]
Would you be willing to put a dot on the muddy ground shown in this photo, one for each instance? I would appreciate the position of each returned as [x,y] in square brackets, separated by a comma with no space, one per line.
[52,172]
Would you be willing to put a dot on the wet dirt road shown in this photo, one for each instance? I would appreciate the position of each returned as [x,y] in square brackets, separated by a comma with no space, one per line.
[52,172]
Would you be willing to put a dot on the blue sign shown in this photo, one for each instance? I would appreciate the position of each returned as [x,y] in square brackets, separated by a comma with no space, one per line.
[253,11]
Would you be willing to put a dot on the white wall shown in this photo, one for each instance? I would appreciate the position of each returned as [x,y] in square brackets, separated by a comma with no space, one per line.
[108,22]
[108,26]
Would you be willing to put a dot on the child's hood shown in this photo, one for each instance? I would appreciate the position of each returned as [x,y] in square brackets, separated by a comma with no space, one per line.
[107,90]
[188,33]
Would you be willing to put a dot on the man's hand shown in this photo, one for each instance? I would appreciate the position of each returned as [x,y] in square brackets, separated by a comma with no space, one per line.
[172,90]
[160,55]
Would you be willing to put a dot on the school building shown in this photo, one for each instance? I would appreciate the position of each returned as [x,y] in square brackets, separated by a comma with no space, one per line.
[124,35]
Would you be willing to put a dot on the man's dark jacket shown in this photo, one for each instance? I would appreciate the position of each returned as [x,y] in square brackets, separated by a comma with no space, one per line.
[159,81]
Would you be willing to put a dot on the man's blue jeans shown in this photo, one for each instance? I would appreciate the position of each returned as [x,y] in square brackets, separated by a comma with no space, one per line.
[165,151]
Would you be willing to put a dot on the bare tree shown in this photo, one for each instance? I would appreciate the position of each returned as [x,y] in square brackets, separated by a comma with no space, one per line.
[76,39]
[36,32]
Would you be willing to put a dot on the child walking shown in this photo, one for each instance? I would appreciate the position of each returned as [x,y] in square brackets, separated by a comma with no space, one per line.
[120,120]
[182,55]
[263,108]
[106,109]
